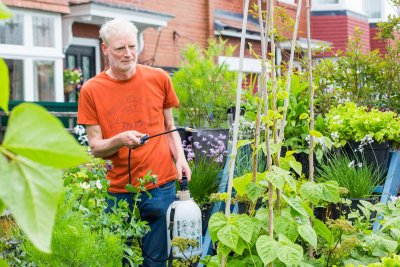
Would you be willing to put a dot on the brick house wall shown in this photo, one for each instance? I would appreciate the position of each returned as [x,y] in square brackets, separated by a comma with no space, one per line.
[190,25]
[375,42]
[338,28]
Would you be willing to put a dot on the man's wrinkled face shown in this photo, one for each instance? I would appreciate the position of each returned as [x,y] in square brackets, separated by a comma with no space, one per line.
[121,52]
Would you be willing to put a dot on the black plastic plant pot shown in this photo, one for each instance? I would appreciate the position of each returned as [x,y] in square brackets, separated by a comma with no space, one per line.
[334,211]
[375,154]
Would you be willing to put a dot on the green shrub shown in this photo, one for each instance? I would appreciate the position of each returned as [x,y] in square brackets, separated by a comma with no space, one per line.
[75,244]
[205,89]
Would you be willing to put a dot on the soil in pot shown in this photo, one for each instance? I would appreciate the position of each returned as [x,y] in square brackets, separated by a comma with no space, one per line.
[334,211]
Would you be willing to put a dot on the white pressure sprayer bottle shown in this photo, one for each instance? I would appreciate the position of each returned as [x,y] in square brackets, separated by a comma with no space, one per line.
[184,220]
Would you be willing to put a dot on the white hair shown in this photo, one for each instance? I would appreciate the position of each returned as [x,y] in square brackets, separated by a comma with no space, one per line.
[116,26]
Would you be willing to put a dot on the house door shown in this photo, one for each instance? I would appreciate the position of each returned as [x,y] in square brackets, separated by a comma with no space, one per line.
[83,58]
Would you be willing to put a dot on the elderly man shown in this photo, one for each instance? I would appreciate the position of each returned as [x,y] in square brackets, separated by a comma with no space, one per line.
[118,107]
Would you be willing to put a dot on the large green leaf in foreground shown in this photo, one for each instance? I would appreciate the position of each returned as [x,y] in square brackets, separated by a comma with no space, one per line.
[4,85]
[5,13]
[3,263]
[39,136]
[35,149]
[31,191]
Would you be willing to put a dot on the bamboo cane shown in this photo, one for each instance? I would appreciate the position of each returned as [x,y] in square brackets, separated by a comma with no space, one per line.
[237,110]
[264,45]
[266,96]
[290,71]
[274,98]
[261,90]
[274,91]
[311,88]
[237,117]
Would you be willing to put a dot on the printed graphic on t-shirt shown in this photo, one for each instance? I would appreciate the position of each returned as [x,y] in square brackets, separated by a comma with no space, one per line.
[128,114]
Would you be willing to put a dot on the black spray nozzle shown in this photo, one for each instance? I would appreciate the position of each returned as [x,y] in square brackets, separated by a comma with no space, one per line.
[146,137]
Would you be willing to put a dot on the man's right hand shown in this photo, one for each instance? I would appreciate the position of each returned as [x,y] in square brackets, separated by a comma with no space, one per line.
[102,148]
[131,139]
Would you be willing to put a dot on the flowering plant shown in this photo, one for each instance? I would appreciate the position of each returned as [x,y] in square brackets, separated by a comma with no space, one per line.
[72,76]
[80,132]
[205,153]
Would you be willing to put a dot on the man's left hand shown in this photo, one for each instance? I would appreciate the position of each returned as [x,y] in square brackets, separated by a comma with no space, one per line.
[183,169]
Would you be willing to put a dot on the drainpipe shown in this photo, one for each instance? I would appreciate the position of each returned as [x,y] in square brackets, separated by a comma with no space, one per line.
[210,11]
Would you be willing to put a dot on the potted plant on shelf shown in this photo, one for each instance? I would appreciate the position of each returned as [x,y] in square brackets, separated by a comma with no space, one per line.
[72,79]
[359,178]
[360,129]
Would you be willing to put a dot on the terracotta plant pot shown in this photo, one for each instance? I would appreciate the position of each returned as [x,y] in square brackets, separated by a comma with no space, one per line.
[69,88]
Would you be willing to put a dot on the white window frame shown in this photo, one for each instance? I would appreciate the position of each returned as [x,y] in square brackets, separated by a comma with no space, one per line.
[290,2]
[342,5]
[382,17]
[250,65]
[322,7]
[28,53]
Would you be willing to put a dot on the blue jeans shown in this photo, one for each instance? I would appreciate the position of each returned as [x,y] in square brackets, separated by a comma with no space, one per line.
[154,211]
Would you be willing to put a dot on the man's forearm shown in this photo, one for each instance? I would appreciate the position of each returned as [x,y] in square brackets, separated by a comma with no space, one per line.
[175,146]
[106,147]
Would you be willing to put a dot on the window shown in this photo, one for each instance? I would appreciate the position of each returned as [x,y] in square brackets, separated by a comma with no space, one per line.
[11,30]
[326,5]
[288,1]
[327,2]
[372,8]
[43,76]
[30,42]
[15,68]
[43,31]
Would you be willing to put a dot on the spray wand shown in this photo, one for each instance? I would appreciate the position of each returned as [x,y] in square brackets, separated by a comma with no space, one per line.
[146,137]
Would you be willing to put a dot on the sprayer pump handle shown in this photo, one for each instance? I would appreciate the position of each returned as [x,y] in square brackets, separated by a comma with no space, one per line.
[184,183]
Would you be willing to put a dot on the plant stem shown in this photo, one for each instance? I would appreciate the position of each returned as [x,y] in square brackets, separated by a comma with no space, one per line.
[7,153]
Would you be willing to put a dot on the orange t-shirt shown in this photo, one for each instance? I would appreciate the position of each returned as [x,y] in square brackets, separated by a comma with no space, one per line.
[133,104]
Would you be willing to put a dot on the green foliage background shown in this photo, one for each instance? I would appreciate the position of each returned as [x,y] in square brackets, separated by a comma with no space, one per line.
[205,88]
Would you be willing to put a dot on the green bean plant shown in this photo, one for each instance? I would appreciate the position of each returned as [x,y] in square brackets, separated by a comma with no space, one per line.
[355,244]
[244,237]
